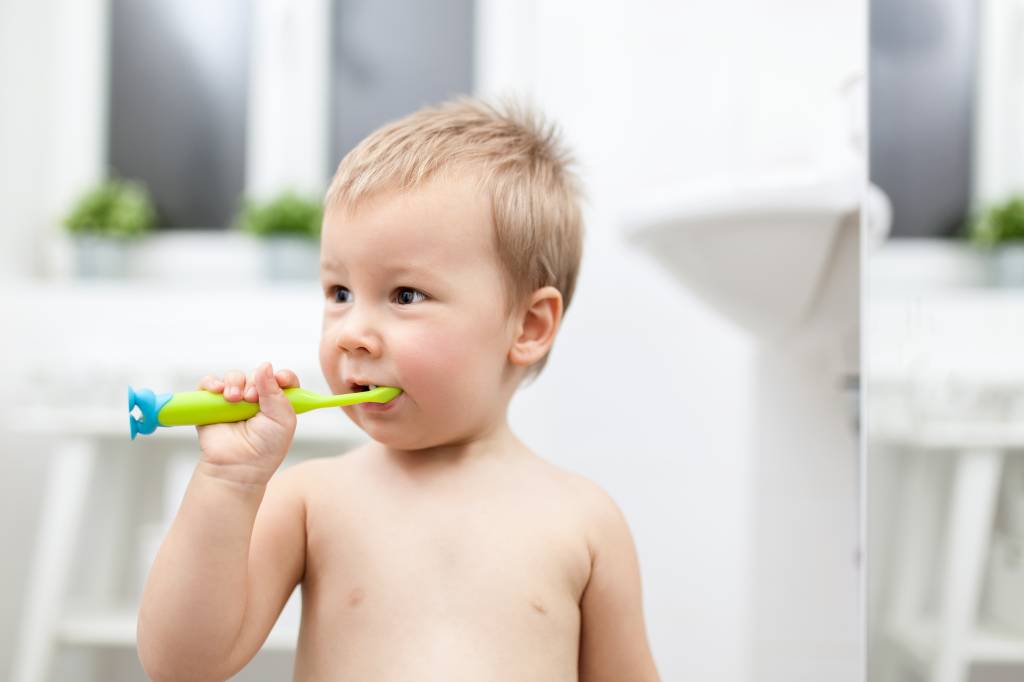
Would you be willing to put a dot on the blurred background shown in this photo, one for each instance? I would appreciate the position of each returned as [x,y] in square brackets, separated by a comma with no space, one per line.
[161,171]
[945,328]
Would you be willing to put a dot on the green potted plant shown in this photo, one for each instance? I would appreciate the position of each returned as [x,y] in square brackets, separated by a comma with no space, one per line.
[999,228]
[103,221]
[289,225]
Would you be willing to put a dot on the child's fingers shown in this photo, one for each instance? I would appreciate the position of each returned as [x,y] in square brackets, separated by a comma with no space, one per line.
[273,402]
[237,386]
[286,378]
[234,384]
[211,383]
[250,392]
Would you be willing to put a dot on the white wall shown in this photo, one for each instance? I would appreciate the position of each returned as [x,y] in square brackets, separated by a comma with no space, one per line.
[650,93]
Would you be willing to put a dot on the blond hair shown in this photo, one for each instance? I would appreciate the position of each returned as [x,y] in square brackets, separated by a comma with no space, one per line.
[517,160]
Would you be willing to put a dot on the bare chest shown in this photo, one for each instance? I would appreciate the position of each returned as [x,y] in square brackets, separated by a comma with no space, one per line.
[484,581]
[446,556]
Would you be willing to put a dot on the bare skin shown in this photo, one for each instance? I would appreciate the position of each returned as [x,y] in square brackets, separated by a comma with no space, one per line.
[443,548]
[479,576]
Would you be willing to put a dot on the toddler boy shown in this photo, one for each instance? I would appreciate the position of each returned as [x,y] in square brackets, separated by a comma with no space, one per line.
[442,549]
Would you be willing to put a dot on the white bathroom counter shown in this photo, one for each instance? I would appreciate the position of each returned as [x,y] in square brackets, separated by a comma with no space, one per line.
[946,366]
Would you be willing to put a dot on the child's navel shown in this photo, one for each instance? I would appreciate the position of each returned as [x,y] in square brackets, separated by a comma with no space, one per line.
[535,603]
[356,596]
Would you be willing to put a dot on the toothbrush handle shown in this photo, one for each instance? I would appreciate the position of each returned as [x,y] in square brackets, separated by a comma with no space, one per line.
[205,407]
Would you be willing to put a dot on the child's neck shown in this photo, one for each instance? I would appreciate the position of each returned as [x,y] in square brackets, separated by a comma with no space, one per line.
[497,441]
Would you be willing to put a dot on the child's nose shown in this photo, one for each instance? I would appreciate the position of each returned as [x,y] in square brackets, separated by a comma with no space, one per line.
[357,335]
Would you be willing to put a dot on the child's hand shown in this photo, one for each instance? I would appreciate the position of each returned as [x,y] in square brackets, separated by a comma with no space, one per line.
[250,451]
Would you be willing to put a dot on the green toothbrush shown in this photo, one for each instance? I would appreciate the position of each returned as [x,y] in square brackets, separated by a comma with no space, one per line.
[205,407]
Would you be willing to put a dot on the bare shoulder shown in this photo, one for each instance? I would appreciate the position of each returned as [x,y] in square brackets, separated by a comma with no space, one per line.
[603,518]
[589,495]
[600,517]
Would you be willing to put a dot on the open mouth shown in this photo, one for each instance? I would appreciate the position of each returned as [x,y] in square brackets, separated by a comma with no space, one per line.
[359,388]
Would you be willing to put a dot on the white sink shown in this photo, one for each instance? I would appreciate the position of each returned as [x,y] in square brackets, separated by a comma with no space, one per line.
[760,250]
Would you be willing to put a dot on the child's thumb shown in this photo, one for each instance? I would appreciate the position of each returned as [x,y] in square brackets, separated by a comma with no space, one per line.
[273,402]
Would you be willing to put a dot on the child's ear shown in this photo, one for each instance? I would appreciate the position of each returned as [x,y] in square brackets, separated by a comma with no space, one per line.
[537,326]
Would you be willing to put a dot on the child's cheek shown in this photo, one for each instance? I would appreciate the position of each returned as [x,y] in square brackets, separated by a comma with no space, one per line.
[434,363]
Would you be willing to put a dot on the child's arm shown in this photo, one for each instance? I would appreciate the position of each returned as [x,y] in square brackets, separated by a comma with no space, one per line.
[613,639]
[236,548]
[229,563]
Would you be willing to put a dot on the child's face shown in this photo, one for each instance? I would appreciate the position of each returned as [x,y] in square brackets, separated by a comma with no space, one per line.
[414,299]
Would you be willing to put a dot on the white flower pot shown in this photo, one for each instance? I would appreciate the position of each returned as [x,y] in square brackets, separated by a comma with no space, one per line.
[291,258]
[1009,265]
[97,256]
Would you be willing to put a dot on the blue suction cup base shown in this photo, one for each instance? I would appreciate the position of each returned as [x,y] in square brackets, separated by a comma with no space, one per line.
[145,400]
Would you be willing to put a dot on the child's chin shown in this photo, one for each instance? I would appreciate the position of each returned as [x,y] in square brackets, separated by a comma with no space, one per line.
[388,434]
[396,439]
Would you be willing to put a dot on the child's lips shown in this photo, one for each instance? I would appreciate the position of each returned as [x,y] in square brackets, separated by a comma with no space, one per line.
[382,407]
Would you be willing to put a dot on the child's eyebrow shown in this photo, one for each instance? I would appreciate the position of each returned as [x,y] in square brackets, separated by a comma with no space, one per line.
[393,269]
